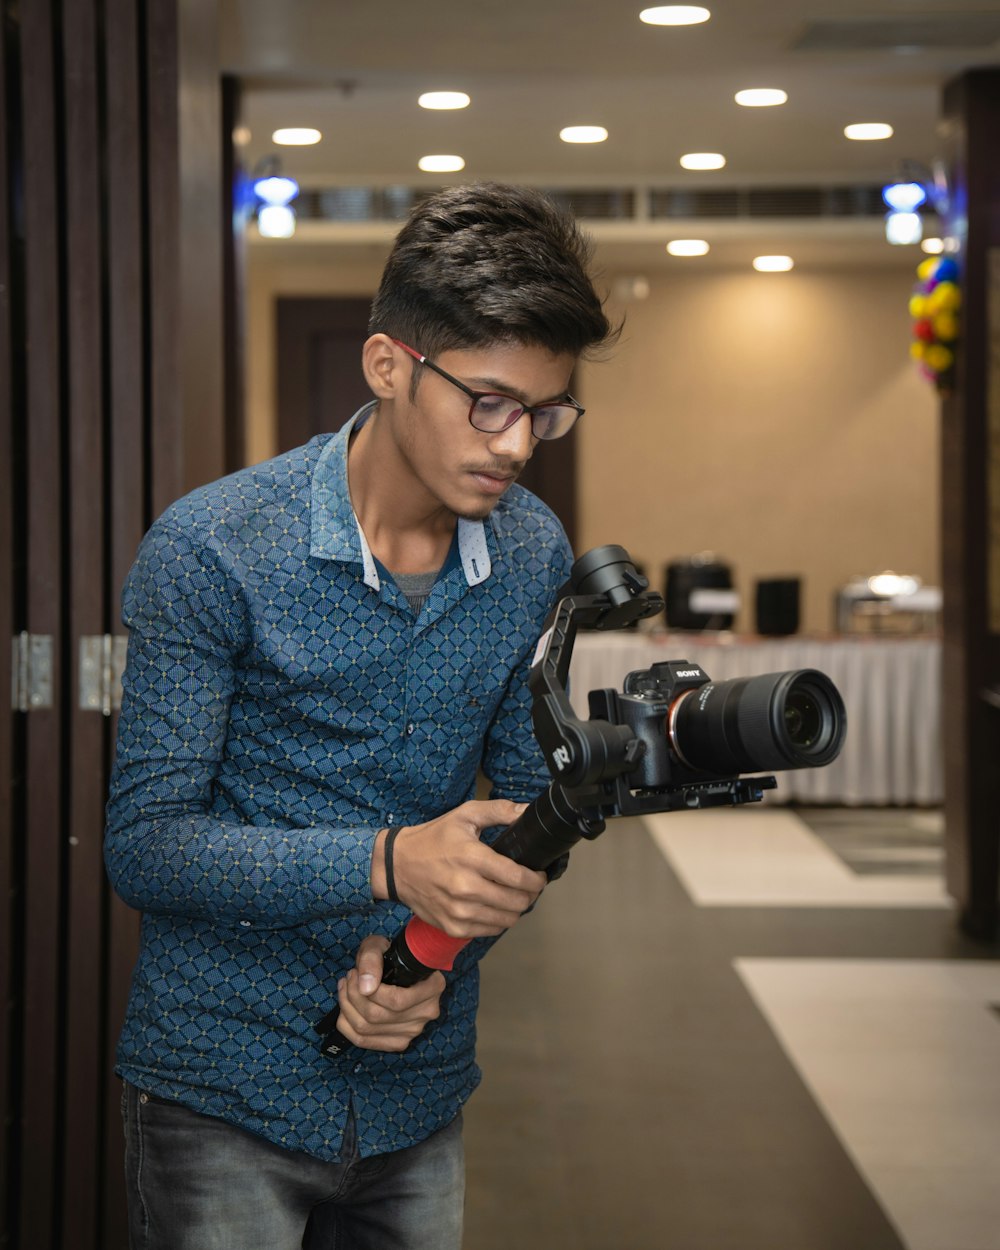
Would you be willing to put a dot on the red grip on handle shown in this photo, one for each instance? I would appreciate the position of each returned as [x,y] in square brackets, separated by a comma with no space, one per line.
[431,946]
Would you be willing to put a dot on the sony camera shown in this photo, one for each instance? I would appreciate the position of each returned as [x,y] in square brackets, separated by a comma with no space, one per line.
[694,729]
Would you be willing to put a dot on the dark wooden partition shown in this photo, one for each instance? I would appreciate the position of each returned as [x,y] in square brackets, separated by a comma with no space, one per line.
[8,870]
[970,548]
[91,449]
[43,602]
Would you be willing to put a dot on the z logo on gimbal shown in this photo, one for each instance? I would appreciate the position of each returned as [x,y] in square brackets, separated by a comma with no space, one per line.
[561,758]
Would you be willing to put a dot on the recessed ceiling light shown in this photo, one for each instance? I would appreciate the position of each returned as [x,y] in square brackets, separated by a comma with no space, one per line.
[761,97]
[773,264]
[441,164]
[703,160]
[674,15]
[444,100]
[687,247]
[868,130]
[583,134]
[296,136]
[933,247]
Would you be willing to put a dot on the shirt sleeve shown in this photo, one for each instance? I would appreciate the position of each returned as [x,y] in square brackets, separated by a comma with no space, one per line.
[165,851]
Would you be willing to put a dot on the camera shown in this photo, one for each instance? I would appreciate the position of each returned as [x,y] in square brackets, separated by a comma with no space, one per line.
[693,729]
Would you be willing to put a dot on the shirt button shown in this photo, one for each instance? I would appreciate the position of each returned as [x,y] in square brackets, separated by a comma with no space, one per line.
[410,728]
[357,1068]
[245,924]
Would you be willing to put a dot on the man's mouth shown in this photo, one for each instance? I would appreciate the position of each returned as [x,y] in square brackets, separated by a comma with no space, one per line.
[491,481]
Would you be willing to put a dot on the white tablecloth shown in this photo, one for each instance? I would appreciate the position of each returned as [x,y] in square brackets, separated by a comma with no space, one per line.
[890,687]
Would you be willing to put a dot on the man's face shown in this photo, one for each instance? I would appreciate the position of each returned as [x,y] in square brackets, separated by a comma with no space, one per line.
[457,465]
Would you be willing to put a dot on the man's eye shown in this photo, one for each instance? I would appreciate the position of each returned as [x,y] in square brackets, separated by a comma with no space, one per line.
[490,405]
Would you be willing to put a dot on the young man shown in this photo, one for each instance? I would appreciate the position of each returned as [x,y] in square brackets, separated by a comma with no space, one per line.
[324,651]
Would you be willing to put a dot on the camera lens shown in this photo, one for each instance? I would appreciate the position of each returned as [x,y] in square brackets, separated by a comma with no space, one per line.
[803,719]
[755,724]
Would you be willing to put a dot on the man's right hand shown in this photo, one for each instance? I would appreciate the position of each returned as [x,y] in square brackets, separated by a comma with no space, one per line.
[454,881]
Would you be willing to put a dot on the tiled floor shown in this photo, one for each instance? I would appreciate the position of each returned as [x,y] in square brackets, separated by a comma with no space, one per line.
[741,1031]
[902,1056]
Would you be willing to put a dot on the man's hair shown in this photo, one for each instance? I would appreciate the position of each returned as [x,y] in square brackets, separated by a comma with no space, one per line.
[485,263]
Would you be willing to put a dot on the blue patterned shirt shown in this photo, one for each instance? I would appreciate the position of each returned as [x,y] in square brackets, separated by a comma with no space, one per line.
[282,704]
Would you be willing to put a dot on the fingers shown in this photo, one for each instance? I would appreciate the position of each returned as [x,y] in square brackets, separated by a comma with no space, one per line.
[479,907]
[390,1018]
[451,879]
[369,962]
[485,813]
[511,876]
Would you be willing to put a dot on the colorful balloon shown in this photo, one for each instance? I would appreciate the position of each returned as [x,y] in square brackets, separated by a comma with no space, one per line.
[924,330]
[918,305]
[934,306]
[939,358]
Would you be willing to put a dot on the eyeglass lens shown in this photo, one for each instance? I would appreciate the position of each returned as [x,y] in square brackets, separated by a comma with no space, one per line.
[493,413]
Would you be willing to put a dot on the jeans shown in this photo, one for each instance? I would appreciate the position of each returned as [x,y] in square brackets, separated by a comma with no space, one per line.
[195,1182]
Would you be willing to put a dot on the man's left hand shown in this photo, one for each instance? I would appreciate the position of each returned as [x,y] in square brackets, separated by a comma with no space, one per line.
[384,1017]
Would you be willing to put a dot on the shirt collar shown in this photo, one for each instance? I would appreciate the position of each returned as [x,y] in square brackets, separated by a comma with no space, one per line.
[336,533]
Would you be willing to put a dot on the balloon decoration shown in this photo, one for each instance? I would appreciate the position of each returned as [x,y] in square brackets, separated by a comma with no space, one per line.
[934,307]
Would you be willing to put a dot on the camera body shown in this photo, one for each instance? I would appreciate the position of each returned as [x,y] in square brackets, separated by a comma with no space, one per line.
[646,705]
[694,732]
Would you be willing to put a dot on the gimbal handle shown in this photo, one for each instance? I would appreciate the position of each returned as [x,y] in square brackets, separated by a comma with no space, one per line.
[548,828]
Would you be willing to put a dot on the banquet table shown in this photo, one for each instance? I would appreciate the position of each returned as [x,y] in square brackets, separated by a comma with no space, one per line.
[890,686]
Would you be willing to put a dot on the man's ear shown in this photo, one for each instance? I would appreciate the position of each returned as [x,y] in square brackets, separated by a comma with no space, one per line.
[384,371]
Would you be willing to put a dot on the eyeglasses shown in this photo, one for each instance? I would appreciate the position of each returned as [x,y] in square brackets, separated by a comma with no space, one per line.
[491,412]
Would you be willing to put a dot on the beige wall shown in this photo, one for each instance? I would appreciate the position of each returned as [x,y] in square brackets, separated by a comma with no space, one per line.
[772,418]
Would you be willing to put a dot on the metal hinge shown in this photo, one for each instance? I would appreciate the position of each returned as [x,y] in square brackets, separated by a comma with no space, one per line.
[102,662]
[31,672]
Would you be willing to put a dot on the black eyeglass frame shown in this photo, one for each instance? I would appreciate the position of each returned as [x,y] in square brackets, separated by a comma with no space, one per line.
[476,396]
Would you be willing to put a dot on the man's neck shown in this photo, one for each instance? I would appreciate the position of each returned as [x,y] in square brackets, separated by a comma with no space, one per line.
[405,531]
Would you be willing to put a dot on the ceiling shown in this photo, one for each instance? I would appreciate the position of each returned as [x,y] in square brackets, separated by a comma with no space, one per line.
[354,68]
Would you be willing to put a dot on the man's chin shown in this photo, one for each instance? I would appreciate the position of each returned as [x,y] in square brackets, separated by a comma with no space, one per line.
[480,507]
[480,513]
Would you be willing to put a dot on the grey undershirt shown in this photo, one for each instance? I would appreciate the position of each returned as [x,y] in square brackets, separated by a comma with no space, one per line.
[416,587]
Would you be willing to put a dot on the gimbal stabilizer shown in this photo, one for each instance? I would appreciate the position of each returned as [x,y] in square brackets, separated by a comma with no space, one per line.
[671,740]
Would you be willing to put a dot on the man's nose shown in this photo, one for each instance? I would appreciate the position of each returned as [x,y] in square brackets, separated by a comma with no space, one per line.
[516,442]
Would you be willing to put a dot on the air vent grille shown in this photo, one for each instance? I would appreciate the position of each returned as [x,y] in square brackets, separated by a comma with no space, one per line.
[354,204]
[746,202]
[616,205]
[392,204]
[955,30]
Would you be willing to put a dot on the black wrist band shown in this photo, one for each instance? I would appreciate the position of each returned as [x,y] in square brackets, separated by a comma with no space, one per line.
[390,880]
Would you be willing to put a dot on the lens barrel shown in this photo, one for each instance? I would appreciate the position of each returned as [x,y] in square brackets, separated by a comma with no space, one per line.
[776,721]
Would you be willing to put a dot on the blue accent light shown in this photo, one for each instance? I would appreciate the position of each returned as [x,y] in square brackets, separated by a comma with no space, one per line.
[276,189]
[904,197]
